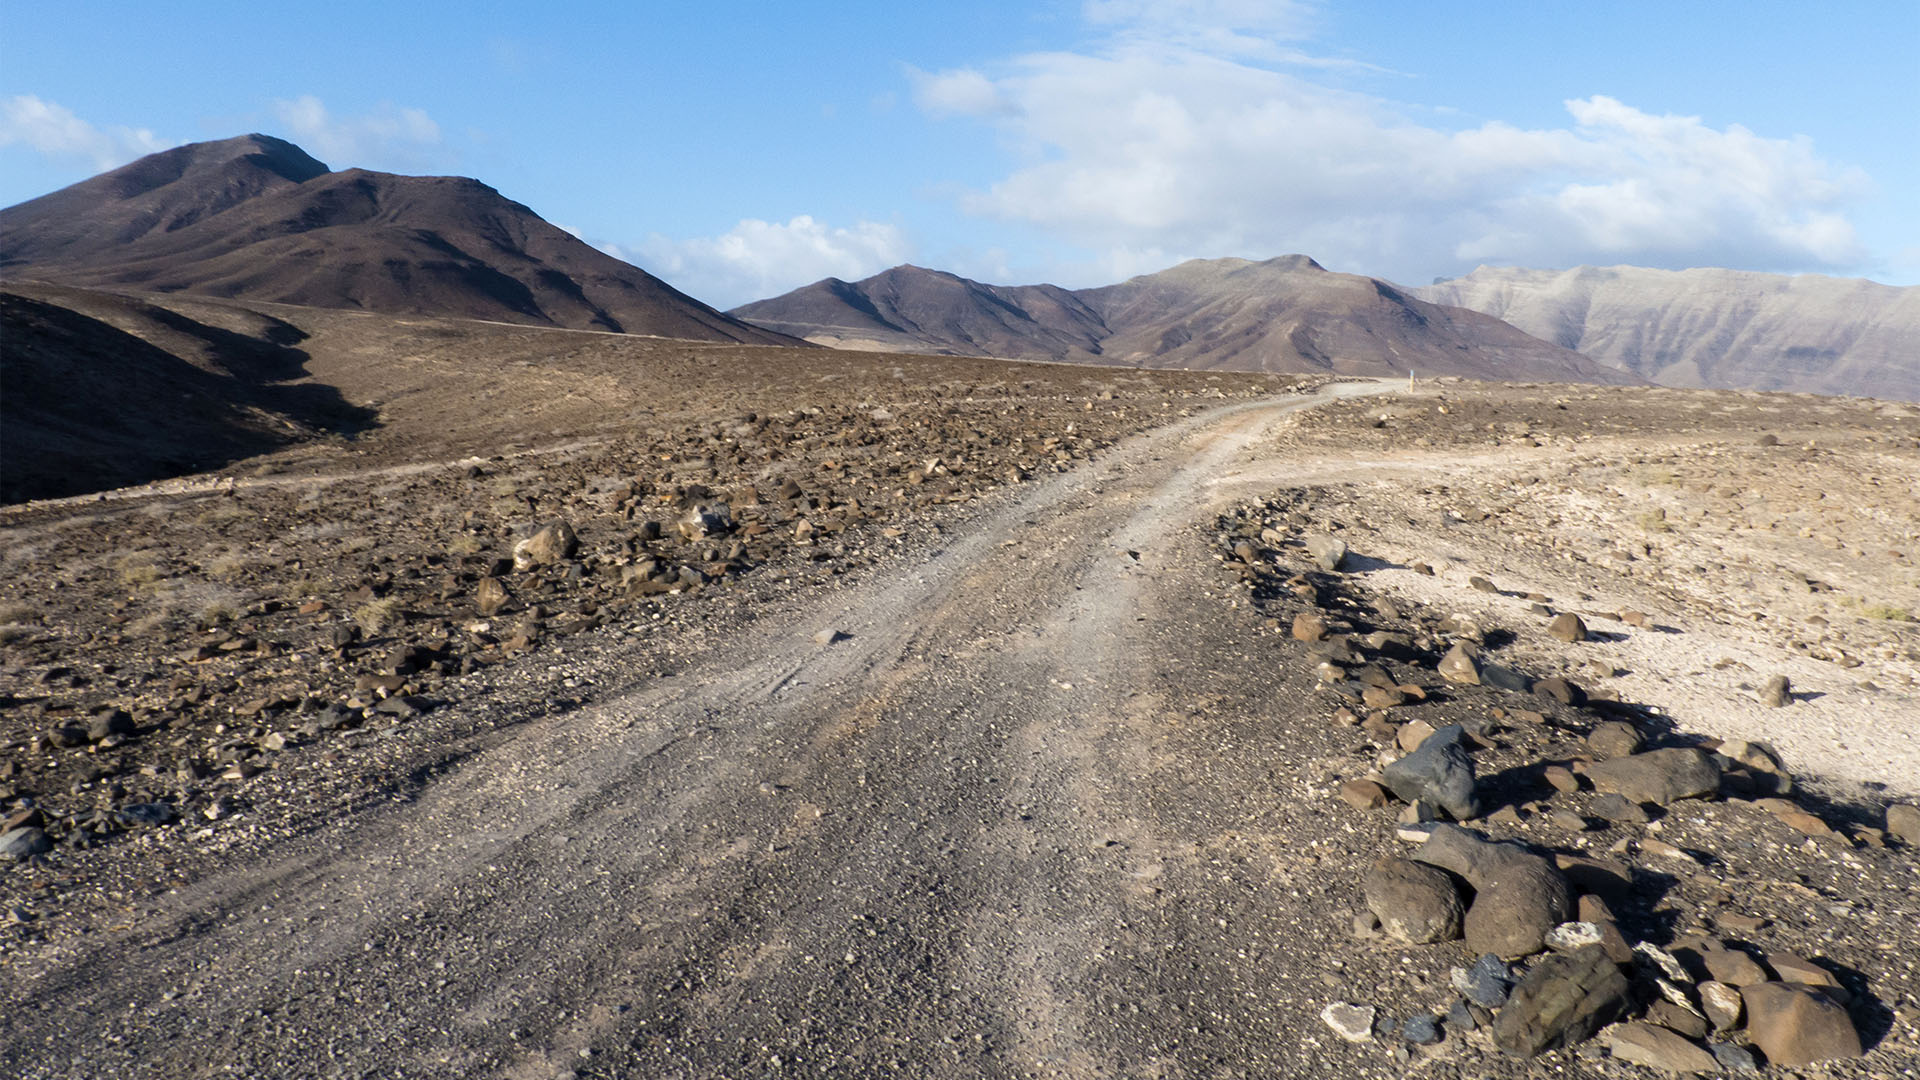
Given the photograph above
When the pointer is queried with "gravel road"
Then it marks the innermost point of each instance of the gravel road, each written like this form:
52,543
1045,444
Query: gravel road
1012,820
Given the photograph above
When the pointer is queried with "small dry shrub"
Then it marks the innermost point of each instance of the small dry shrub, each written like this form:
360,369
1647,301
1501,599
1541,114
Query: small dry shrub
378,616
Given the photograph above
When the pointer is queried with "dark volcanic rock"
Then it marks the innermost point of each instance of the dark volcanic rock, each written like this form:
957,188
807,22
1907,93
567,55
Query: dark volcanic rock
1658,776
1440,771
1415,903
1562,1001
1518,896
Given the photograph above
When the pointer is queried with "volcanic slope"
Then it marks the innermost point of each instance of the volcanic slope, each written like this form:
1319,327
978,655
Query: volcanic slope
1712,327
1284,315
258,218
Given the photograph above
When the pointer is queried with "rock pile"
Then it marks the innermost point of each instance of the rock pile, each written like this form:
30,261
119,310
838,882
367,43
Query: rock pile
1565,946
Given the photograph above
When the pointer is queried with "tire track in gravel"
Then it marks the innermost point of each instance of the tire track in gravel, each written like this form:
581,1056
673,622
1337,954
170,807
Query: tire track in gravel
894,851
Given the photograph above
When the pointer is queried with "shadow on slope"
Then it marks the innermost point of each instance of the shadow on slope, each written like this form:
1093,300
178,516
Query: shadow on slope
86,405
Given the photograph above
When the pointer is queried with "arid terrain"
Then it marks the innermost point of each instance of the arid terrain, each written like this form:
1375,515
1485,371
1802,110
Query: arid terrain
598,705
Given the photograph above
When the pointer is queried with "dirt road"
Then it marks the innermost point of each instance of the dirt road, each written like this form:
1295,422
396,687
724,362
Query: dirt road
1032,812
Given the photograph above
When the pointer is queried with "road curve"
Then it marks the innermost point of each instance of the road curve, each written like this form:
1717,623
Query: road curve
1030,815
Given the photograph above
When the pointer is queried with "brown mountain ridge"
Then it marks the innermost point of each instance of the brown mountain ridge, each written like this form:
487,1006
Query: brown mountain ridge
257,218
1287,314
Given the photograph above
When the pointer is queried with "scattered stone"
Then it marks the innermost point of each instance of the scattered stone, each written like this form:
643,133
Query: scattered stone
1658,776
1412,734
1486,983
1414,833
1733,1058
1353,1023
1777,693
491,596
828,636
1364,795
1309,626
1418,811
1560,690
1562,779
1793,968
1328,552
1501,677
403,705
1562,1001
1382,697
1798,1025
1569,936
107,724
1481,584
1903,823
1721,1003
1732,967
1460,1016
1679,1018
1458,666
1421,1030
1568,627
1619,809
1440,770
1614,738
1656,1047
1415,903
152,813
551,543
1568,820
24,843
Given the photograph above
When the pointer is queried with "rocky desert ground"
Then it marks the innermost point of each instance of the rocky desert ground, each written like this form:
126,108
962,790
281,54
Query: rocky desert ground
632,707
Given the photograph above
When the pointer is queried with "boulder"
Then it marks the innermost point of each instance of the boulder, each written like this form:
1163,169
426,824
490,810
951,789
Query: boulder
1518,897
1562,1001
1415,903
1441,770
1657,776
1798,1025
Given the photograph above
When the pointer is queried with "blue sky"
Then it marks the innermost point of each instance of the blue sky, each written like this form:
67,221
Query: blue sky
739,150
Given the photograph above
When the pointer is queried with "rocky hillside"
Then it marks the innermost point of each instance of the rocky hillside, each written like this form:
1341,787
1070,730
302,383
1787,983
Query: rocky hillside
257,218
1285,315
1713,328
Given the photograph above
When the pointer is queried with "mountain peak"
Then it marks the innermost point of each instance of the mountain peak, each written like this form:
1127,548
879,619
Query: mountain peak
257,217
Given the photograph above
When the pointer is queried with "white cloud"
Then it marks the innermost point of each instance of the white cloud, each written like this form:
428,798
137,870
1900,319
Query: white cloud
55,131
388,134
1199,144
757,259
